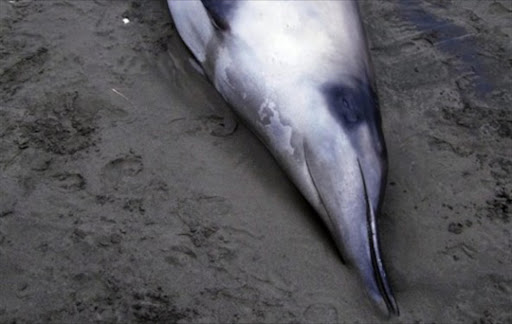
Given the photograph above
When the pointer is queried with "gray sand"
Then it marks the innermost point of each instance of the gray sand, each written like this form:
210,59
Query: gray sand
117,204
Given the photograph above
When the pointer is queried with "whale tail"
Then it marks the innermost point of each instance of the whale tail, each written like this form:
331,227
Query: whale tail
351,194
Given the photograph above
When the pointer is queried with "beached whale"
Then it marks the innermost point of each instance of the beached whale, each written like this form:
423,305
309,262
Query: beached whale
298,74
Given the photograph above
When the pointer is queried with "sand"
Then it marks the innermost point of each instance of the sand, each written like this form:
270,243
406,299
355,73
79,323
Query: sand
119,202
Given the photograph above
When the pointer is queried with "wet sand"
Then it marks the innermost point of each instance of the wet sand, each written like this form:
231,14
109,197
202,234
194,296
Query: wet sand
119,204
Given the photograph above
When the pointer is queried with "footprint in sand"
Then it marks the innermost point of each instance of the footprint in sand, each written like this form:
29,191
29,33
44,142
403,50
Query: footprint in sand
121,175
68,182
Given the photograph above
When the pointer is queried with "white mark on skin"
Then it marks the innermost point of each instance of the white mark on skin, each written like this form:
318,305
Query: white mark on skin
126,20
279,133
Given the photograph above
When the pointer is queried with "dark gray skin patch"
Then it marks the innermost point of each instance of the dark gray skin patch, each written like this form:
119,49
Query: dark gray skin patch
220,11
354,106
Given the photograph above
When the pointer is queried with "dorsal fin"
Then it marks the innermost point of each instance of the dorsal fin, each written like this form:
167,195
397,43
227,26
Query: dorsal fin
220,12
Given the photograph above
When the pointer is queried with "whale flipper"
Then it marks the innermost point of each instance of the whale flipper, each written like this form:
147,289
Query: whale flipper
194,26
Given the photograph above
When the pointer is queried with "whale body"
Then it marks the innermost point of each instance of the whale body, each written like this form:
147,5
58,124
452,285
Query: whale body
299,75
